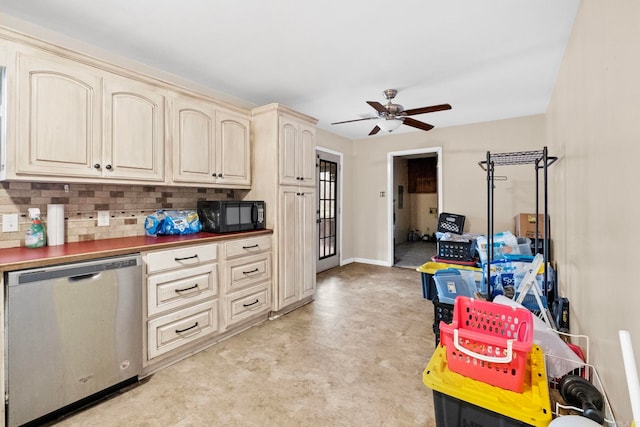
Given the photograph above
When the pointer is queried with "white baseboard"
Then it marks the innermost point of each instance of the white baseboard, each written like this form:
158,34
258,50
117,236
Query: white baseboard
367,261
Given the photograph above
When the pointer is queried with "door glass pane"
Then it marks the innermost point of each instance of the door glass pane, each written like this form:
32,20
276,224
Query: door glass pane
327,194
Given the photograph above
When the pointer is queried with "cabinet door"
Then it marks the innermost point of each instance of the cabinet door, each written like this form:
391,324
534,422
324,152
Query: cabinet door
233,149
297,245
193,124
307,155
288,283
288,152
58,117
308,241
133,130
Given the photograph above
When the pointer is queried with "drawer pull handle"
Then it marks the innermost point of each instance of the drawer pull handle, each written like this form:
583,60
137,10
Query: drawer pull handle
179,291
179,331
255,270
185,258
251,247
252,303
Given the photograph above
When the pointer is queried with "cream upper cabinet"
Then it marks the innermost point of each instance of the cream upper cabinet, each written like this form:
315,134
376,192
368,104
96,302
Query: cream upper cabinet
133,126
234,151
58,117
297,152
210,145
77,121
193,137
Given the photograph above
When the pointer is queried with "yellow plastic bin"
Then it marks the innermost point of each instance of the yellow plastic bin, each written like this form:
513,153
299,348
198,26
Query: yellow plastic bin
459,400
428,269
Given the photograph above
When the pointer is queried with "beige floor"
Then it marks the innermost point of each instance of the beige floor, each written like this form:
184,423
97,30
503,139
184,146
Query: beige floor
353,357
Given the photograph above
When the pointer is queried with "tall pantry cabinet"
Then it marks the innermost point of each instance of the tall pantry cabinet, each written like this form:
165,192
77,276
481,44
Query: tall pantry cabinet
284,176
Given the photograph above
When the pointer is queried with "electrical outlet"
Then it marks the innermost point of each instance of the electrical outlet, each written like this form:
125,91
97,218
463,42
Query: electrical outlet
103,218
9,223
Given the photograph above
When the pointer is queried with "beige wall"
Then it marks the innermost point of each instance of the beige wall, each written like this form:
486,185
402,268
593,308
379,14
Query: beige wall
594,126
344,146
464,182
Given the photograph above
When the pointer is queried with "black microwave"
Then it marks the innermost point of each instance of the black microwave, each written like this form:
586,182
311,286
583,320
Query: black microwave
226,216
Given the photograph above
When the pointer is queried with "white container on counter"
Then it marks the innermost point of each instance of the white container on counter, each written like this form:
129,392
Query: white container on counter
55,225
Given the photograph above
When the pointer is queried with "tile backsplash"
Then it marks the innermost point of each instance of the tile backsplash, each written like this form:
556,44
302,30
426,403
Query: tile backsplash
128,206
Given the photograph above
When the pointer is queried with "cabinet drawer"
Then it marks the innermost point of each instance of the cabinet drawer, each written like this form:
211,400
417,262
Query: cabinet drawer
247,271
245,304
249,246
169,332
181,257
174,289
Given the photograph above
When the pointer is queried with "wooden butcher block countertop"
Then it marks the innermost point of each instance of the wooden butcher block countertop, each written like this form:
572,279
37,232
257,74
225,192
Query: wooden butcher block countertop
22,258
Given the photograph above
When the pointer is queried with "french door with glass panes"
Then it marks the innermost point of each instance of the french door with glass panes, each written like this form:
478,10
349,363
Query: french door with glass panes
328,211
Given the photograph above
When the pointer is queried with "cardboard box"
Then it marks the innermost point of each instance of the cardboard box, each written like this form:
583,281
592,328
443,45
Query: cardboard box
526,225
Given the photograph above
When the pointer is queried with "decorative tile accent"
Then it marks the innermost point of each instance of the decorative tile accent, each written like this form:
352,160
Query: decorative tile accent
128,206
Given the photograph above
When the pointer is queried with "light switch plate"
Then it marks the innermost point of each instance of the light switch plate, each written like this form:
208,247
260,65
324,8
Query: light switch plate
103,218
9,223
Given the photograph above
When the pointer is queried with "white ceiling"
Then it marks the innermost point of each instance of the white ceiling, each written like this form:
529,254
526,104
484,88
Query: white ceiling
489,59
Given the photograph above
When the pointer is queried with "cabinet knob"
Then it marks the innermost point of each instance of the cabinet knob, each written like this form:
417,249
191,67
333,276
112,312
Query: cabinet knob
214,174
108,167
219,175
97,166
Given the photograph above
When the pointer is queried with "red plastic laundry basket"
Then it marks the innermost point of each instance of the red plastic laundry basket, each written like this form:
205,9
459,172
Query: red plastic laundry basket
488,342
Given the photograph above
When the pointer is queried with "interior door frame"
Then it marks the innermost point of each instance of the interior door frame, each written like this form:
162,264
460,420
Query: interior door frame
340,200
390,156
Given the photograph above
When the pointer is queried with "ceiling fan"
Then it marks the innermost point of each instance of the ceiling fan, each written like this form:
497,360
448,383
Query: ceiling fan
391,115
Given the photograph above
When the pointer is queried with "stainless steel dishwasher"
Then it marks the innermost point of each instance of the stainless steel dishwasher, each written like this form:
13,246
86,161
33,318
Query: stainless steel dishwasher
73,333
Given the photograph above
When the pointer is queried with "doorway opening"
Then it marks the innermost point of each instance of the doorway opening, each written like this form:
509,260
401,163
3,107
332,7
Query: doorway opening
329,181
414,202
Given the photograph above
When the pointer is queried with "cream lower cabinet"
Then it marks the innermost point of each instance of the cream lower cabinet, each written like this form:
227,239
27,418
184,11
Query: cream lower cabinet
198,294
182,294
77,122
297,237
248,284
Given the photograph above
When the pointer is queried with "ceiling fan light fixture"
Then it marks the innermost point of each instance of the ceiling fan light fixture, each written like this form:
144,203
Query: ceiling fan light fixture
389,125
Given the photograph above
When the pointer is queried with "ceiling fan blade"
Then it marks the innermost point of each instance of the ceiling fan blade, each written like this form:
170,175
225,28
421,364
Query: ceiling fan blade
374,130
378,107
355,120
417,124
430,109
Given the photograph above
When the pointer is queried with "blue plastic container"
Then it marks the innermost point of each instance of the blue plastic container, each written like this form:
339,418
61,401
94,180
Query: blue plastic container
451,283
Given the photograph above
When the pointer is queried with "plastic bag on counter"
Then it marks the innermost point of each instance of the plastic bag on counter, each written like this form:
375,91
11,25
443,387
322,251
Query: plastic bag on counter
166,223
